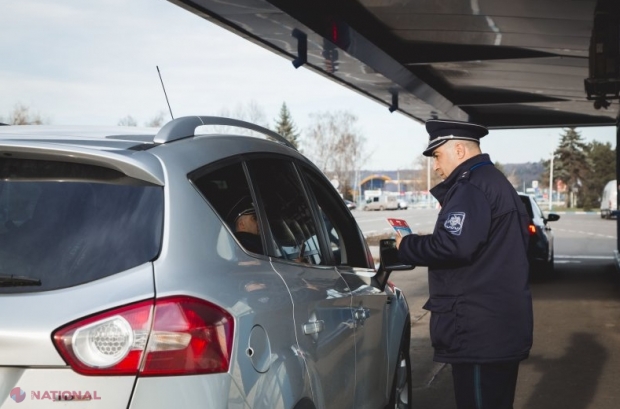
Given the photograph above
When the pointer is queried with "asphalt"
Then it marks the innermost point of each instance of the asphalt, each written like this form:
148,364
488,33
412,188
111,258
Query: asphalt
575,360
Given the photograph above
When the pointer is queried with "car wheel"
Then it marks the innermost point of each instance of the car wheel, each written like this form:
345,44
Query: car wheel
400,397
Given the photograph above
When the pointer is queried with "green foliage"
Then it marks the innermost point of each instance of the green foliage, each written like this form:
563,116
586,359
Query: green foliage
603,169
572,166
286,127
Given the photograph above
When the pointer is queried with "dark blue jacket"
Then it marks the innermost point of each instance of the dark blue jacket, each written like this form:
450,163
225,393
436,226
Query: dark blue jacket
480,302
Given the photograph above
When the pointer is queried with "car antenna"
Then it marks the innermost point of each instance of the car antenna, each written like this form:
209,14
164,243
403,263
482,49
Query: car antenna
164,88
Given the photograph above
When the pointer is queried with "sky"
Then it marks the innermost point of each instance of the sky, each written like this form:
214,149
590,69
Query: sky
77,62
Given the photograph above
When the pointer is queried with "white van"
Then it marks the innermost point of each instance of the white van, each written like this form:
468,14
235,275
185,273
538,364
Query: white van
381,203
609,200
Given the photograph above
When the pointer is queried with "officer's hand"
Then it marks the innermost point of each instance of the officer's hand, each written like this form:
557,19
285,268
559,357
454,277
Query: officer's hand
398,239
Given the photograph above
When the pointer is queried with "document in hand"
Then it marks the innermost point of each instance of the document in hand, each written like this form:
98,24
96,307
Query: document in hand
400,226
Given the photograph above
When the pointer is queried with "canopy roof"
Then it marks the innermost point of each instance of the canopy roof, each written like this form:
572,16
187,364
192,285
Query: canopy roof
500,63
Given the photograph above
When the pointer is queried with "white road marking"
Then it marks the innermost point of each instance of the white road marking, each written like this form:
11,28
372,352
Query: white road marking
583,257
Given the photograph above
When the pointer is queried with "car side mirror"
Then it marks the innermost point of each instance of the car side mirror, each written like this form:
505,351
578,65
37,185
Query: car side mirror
552,217
389,261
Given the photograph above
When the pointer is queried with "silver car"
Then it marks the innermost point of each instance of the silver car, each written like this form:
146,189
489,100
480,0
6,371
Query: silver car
125,281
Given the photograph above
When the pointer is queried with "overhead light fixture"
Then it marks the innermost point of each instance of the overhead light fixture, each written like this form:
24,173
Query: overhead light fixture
603,83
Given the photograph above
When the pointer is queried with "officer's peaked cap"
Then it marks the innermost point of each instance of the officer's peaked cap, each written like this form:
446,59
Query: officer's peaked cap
441,131
242,207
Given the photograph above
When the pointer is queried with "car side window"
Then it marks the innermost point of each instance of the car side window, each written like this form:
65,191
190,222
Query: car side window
288,212
226,188
345,239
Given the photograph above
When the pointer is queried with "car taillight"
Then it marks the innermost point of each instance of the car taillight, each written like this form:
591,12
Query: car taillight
169,336
532,229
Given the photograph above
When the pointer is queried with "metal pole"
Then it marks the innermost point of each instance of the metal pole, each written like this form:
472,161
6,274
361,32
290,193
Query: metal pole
551,183
617,180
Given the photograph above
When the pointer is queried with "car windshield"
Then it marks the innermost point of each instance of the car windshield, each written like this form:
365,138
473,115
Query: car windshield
66,224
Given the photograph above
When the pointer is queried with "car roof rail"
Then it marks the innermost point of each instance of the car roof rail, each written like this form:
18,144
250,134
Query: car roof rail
185,127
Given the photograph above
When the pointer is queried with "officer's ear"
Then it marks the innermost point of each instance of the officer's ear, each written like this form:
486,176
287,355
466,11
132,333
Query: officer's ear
460,149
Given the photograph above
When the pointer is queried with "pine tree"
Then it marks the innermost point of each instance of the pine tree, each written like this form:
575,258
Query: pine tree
286,127
572,164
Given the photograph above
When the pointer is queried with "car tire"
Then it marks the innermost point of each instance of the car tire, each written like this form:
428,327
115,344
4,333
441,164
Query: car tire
400,397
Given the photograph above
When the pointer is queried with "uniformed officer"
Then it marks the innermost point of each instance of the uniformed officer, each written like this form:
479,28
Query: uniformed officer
481,307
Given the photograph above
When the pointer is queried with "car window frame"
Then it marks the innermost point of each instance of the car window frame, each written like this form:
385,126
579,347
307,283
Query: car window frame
344,214
326,254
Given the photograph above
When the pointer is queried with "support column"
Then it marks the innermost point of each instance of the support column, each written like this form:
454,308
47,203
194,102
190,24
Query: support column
617,183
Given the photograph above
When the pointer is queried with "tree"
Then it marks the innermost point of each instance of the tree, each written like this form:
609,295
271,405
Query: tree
21,115
127,121
286,127
335,145
421,167
603,169
251,112
156,121
571,164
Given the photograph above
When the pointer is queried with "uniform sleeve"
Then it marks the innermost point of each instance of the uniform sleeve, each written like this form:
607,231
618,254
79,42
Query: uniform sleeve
462,228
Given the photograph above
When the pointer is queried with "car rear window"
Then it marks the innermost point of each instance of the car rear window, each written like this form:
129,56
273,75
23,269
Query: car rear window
64,224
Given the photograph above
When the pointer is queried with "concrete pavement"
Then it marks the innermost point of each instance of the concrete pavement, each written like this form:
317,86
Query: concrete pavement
575,360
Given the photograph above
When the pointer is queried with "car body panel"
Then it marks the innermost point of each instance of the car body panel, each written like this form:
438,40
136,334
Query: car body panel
54,388
321,295
138,164
212,391
25,333
370,311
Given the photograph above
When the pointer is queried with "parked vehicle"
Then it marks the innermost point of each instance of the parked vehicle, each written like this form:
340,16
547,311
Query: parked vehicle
381,203
351,205
124,284
609,200
402,204
540,251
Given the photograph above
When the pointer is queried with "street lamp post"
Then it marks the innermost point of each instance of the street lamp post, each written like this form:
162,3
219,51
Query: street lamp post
551,183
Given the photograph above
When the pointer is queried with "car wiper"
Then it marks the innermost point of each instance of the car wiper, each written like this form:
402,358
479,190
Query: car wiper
17,281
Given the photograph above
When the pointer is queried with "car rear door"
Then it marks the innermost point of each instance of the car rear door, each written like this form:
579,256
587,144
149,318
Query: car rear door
321,298
370,306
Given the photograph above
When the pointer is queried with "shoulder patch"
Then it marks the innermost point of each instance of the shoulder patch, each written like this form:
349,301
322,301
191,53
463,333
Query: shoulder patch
454,223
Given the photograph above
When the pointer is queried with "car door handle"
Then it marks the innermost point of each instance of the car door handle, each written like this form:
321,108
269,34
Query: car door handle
314,327
361,314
